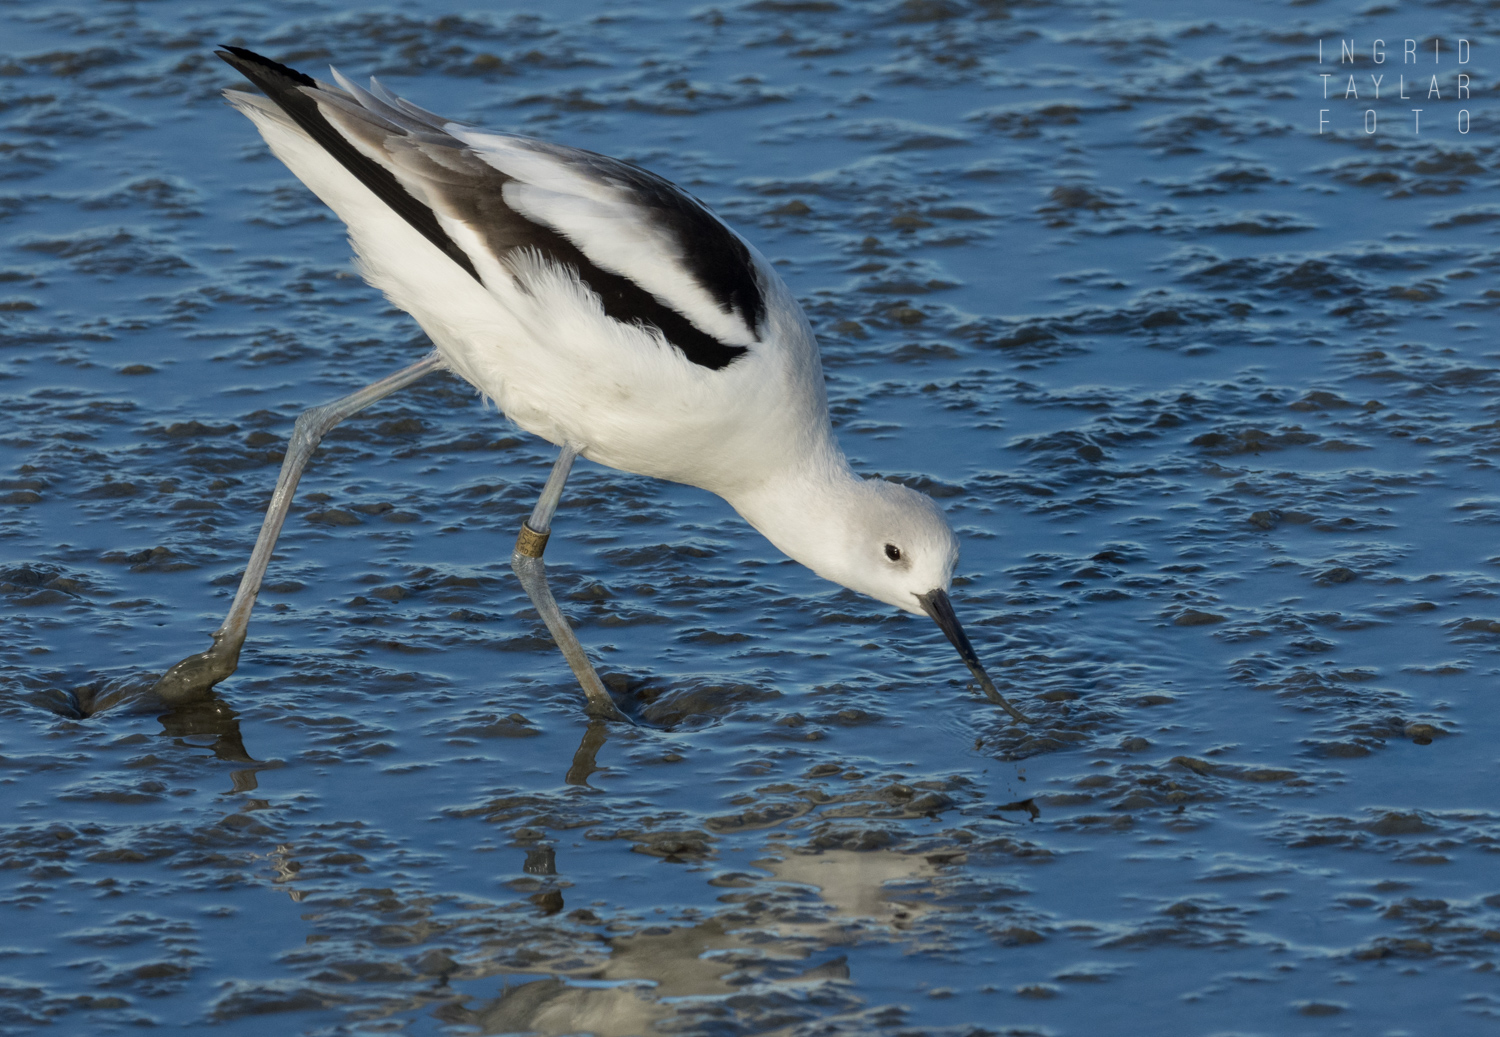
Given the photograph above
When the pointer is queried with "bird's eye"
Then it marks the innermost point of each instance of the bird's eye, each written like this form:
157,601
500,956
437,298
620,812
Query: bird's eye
893,552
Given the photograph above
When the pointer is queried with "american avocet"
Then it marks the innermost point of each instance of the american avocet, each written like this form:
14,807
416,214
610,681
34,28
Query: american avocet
604,310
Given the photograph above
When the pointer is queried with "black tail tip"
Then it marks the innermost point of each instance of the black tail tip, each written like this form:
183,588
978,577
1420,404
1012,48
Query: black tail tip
256,67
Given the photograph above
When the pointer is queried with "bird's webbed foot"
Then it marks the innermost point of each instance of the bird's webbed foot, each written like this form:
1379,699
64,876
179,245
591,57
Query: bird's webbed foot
192,678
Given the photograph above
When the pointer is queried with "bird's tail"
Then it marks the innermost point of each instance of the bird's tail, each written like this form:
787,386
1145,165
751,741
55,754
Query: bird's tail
362,118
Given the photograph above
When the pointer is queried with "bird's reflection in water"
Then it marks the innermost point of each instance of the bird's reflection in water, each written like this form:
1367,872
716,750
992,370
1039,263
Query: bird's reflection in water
554,1007
752,946
211,717
856,885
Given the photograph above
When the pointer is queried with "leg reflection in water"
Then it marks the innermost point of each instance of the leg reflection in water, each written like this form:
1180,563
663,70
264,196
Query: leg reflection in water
207,716
594,738
212,716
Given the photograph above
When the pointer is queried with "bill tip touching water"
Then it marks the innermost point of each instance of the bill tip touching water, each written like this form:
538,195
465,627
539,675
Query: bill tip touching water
604,310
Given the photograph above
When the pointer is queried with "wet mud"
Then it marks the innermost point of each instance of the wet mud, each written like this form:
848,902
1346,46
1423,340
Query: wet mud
1208,395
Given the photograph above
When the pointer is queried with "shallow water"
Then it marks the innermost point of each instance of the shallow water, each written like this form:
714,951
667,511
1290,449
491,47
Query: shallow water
1207,395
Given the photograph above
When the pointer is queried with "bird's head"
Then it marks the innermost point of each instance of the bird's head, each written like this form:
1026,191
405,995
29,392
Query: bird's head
891,543
894,544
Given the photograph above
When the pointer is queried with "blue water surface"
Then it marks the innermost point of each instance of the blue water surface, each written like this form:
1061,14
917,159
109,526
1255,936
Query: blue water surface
1206,392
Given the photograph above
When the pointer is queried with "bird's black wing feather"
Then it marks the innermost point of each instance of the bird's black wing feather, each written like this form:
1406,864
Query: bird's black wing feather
283,85
471,190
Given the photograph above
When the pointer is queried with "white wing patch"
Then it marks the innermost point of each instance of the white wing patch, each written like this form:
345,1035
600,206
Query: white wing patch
606,224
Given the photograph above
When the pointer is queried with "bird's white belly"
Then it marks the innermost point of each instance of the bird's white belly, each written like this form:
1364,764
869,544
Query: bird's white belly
570,375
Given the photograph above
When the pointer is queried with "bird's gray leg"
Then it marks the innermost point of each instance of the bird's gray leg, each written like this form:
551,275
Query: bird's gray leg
192,677
532,571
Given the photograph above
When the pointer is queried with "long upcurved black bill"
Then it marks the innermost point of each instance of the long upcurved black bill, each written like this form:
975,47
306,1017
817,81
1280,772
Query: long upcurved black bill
936,604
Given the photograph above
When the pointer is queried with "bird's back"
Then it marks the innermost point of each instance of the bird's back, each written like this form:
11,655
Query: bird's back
594,301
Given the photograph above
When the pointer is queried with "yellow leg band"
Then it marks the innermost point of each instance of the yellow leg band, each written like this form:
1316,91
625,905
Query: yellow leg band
530,543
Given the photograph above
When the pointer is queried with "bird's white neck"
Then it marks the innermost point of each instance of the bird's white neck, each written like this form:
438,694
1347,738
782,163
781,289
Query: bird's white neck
803,509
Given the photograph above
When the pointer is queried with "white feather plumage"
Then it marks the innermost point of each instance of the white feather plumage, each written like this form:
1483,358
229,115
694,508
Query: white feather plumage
535,339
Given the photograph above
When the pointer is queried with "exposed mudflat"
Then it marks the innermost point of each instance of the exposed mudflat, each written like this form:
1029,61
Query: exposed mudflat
1210,397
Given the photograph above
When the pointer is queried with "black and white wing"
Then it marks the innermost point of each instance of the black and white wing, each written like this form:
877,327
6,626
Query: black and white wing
654,255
